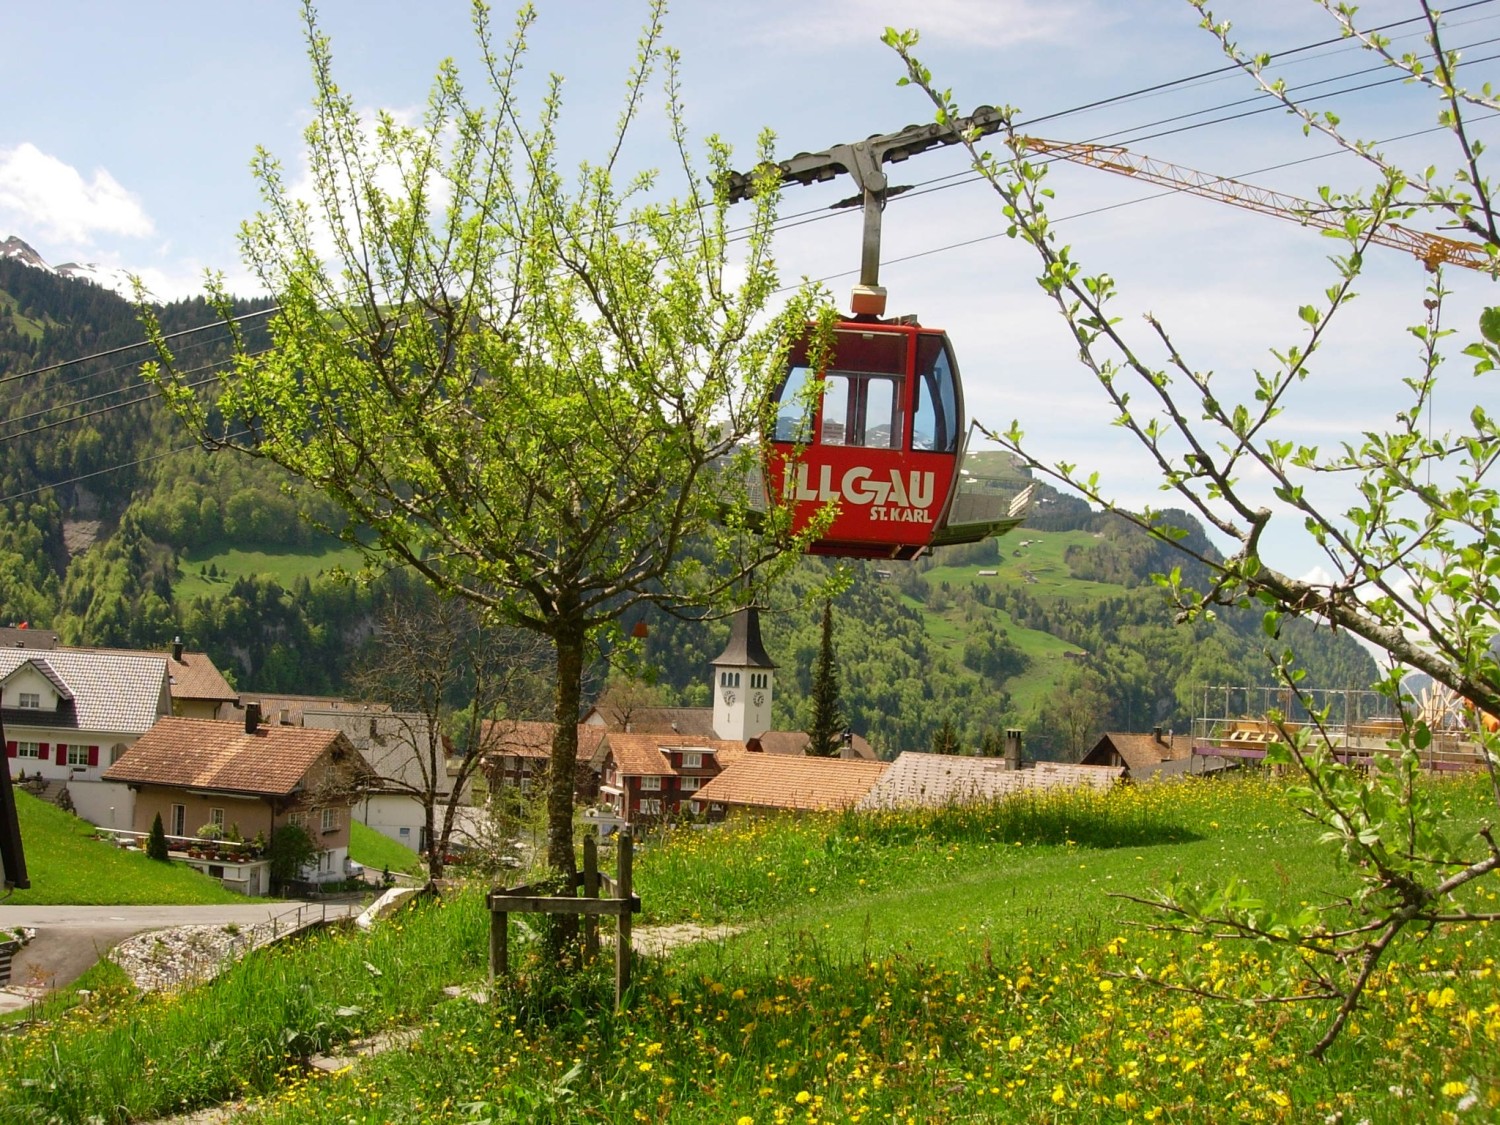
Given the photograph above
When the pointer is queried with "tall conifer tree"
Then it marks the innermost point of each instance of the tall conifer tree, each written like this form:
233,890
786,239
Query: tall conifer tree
827,729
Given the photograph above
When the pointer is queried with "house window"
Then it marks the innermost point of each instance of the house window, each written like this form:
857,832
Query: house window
298,819
525,784
28,750
216,817
651,806
653,783
689,784
179,820
29,701
692,760
78,755
116,752
330,820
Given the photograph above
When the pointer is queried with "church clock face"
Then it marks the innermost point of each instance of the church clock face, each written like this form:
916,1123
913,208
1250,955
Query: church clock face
759,699
729,697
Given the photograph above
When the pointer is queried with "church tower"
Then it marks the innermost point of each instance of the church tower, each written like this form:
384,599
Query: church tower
742,681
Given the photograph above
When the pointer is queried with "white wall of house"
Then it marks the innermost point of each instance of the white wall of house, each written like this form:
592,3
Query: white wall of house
38,749
107,804
395,815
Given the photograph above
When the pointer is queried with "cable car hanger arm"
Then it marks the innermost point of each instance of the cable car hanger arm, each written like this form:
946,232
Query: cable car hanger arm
864,162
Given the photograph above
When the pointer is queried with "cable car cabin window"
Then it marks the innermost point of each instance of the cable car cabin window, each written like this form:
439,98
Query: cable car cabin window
793,419
862,409
936,422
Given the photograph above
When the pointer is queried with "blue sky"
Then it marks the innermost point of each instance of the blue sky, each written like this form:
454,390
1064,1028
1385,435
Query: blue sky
131,126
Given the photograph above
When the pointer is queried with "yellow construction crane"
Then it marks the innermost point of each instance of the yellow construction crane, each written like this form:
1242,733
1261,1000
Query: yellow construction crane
1432,249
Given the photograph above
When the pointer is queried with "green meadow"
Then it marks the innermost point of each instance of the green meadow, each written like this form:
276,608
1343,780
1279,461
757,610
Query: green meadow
950,966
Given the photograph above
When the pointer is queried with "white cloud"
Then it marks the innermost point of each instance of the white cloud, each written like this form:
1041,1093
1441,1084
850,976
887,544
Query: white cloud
43,197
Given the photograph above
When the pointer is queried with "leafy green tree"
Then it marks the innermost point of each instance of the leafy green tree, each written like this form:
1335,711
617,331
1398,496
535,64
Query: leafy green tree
1410,539
290,850
531,390
156,841
826,732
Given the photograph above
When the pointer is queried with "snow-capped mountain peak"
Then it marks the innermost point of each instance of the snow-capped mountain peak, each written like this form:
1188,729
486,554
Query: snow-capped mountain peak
107,277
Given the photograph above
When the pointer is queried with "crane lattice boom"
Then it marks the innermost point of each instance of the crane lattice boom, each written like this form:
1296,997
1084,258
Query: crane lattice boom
1432,249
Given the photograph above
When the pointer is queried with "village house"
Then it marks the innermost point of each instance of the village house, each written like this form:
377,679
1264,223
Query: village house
1150,757
69,714
247,780
198,689
517,753
648,777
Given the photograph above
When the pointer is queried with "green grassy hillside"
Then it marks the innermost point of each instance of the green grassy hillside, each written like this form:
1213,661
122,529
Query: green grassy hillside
228,564
69,866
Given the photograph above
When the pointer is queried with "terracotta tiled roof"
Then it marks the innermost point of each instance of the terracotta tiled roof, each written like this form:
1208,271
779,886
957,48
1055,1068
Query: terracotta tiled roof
110,692
207,754
783,781
1139,752
916,779
524,738
640,755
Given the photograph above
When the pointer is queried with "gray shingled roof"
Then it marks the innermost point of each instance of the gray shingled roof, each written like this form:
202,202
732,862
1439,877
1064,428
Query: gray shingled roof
125,694
917,779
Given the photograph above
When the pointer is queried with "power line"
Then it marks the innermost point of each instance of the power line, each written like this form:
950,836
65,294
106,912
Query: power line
820,214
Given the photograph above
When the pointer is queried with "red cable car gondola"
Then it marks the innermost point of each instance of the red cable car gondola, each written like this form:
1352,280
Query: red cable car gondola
881,437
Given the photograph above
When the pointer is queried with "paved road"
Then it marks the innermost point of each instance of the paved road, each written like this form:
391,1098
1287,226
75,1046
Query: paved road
70,939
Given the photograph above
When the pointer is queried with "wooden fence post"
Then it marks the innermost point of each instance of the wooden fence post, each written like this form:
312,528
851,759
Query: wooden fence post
625,856
499,942
590,890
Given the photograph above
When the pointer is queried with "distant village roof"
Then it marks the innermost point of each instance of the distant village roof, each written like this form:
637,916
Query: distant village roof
782,781
109,692
193,675
641,755
920,779
208,754
1138,752
12,636
695,721
286,710
745,648
797,742
523,738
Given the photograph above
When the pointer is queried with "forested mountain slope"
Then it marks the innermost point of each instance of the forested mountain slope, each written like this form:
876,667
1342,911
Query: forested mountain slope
114,533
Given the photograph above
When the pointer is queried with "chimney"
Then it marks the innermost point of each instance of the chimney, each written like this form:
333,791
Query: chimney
252,717
177,649
1012,749
846,747
1156,734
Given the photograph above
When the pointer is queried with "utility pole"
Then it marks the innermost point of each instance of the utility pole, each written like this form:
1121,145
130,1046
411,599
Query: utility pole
864,162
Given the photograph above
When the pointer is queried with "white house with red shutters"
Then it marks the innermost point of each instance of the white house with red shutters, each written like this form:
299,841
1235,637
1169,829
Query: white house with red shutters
69,715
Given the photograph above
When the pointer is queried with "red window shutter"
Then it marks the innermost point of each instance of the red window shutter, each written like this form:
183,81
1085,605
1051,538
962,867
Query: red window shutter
93,755
10,749
41,751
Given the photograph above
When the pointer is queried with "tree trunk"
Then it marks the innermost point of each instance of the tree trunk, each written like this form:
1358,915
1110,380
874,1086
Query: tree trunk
569,643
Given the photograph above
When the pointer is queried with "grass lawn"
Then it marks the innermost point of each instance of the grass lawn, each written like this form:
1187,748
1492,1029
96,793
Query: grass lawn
68,866
232,563
923,967
379,852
